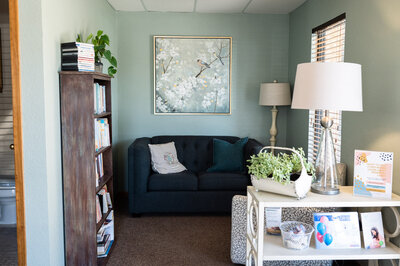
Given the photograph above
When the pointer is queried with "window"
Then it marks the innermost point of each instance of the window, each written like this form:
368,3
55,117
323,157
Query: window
327,45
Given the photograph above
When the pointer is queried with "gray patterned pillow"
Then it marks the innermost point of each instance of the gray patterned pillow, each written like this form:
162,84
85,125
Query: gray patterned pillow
164,159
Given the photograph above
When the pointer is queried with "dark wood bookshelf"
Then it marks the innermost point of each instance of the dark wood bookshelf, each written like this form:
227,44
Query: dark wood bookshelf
77,97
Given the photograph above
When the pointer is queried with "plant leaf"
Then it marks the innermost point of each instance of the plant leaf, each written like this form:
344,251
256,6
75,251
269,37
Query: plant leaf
104,38
111,71
99,33
107,55
79,38
89,37
113,61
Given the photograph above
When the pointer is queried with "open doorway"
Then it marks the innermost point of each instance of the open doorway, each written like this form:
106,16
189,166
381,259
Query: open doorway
12,217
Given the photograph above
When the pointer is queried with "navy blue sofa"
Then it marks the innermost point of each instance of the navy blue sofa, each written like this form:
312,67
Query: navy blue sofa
191,191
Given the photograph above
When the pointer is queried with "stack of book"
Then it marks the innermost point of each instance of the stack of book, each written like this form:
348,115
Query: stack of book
105,236
102,133
99,98
77,56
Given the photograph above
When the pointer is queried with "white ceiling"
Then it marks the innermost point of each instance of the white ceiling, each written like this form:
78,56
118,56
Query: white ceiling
208,6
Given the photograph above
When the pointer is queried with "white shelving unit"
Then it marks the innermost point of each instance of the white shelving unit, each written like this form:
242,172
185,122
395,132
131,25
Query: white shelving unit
262,247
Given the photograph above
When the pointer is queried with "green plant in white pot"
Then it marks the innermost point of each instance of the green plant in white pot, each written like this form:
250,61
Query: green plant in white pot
287,174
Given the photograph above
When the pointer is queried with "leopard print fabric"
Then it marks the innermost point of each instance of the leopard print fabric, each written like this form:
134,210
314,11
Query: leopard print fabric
238,234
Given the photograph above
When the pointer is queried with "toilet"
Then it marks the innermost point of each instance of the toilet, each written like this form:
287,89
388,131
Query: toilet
7,202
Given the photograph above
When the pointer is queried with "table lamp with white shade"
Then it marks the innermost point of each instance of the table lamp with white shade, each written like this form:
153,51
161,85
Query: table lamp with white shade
274,94
327,86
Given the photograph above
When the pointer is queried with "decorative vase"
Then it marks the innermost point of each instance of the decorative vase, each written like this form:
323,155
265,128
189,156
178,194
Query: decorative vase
298,188
98,67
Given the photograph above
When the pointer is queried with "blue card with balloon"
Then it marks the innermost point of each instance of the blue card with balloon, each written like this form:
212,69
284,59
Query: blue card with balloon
337,230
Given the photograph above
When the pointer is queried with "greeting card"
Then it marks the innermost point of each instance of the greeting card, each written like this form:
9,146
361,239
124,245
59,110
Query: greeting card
337,230
373,233
373,174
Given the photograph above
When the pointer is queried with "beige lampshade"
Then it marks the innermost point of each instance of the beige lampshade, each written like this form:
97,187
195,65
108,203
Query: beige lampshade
328,86
274,94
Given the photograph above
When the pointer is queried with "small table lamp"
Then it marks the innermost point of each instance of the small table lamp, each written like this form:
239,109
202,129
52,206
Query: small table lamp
274,94
327,86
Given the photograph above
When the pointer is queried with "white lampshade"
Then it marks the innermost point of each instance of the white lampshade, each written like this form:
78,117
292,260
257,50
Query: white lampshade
272,94
328,86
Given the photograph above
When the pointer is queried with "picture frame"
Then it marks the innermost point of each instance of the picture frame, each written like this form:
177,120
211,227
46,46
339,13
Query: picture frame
373,231
192,75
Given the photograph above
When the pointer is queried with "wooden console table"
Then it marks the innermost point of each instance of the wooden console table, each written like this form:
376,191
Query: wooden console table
262,247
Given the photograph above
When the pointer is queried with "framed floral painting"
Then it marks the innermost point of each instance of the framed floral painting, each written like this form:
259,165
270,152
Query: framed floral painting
192,75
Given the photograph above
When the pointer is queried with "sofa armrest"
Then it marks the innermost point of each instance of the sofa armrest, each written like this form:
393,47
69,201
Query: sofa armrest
139,167
252,147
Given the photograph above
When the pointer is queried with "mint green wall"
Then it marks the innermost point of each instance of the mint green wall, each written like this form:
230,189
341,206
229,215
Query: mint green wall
372,40
260,54
44,24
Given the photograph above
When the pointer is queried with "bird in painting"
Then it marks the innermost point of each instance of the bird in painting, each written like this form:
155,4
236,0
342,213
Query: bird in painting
202,63
219,57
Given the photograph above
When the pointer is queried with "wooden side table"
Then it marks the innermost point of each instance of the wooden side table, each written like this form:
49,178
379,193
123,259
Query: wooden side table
262,247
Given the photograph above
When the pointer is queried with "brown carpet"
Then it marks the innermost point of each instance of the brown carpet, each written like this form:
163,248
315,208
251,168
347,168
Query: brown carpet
171,240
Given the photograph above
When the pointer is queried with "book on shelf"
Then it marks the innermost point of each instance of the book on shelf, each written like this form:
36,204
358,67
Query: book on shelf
103,200
107,229
108,250
96,171
109,225
103,245
99,98
102,133
77,56
100,234
98,210
99,165
108,196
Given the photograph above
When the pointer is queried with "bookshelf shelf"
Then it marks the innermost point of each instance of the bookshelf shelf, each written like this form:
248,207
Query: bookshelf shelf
103,218
102,115
102,150
103,181
81,129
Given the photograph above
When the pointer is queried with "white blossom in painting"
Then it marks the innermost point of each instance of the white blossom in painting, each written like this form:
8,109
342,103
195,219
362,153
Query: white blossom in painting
192,75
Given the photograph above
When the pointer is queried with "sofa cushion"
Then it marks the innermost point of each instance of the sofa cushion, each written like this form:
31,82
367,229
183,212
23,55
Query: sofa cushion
182,181
164,159
223,181
228,157
194,152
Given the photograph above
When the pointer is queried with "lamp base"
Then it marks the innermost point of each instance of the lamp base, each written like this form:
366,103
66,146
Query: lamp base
326,180
324,190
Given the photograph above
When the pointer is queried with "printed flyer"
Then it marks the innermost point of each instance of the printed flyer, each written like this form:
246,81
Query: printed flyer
373,172
337,230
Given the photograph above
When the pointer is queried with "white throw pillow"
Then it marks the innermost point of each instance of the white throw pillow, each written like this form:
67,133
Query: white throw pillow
164,159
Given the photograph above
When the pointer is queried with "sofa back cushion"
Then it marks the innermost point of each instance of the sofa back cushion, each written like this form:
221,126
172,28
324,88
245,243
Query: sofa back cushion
194,152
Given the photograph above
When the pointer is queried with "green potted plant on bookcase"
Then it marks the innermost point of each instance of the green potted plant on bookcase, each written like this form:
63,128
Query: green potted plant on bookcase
101,42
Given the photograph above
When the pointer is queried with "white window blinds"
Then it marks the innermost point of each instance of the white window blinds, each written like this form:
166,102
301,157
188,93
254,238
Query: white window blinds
327,45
